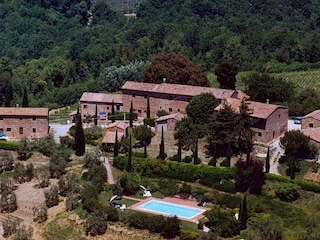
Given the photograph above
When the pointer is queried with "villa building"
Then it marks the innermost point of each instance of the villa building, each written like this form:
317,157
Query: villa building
18,122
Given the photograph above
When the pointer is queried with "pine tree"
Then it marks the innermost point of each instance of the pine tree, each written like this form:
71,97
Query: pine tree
25,101
148,108
116,146
112,112
268,161
79,139
243,215
129,162
162,154
96,116
131,115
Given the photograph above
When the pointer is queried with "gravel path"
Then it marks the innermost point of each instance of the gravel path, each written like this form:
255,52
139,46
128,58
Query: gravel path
106,163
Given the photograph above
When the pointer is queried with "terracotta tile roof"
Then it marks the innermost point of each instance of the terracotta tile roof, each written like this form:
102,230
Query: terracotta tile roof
110,137
118,124
21,111
315,114
259,110
101,97
182,90
312,133
178,116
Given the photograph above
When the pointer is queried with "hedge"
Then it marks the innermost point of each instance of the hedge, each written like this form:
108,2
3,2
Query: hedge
305,185
9,145
205,174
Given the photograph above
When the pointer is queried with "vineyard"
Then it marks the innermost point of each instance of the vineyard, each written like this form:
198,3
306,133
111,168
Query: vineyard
303,80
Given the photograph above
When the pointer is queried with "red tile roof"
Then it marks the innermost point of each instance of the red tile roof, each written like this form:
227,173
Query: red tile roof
259,110
101,97
178,116
182,90
22,111
315,114
118,124
312,133
110,137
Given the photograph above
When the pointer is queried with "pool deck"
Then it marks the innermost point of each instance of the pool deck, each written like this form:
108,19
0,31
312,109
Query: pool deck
178,201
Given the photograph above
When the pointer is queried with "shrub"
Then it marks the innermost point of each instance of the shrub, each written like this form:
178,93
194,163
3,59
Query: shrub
168,187
225,186
8,202
149,122
23,233
40,214
67,142
11,146
187,159
96,223
287,192
10,226
189,235
52,197
6,161
228,200
155,223
93,133
72,201
138,220
171,227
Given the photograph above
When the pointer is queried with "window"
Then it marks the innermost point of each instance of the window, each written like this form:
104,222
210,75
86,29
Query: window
170,109
311,125
108,108
34,130
1,118
139,111
118,108
21,130
145,96
34,118
178,110
1,130
259,134
84,106
8,129
133,95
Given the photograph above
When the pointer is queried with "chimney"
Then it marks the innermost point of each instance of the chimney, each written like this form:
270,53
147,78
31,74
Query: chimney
17,105
267,101
164,80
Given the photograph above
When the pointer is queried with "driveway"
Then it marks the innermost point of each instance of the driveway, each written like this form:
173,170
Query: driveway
59,130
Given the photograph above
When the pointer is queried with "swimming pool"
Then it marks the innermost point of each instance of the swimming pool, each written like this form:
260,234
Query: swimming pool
170,209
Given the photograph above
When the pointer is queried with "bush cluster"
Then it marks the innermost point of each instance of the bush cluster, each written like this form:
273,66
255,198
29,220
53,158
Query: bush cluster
11,146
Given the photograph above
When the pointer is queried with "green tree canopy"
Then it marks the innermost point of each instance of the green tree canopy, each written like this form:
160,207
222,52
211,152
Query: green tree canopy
226,74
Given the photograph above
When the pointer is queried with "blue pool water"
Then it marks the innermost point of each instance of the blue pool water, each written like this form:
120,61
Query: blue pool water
166,208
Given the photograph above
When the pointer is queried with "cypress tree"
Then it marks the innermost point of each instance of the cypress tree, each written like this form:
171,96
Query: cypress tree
116,146
131,115
79,139
112,112
25,101
195,154
96,116
162,153
179,148
148,108
268,161
129,164
243,215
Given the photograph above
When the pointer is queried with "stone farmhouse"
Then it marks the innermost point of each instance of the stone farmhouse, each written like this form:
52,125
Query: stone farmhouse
168,122
89,101
311,120
314,135
172,98
18,122
271,121
109,138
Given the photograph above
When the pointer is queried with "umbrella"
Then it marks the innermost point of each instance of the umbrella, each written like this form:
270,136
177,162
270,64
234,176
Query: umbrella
113,198
143,187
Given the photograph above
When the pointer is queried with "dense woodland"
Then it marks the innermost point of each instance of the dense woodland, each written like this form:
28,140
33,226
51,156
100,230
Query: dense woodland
58,49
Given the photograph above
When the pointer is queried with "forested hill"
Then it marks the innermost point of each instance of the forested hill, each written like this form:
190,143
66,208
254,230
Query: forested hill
57,49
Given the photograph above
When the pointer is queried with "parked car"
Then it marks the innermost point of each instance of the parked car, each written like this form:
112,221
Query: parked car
297,120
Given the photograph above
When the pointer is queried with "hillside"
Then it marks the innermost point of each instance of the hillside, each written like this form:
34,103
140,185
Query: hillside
58,50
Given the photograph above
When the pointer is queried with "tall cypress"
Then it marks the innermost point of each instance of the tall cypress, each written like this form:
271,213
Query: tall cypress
79,139
195,153
116,146
25,101
96,116
162,153
243,214
112,112
268,161
179,148
129,161
148,108
131,115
